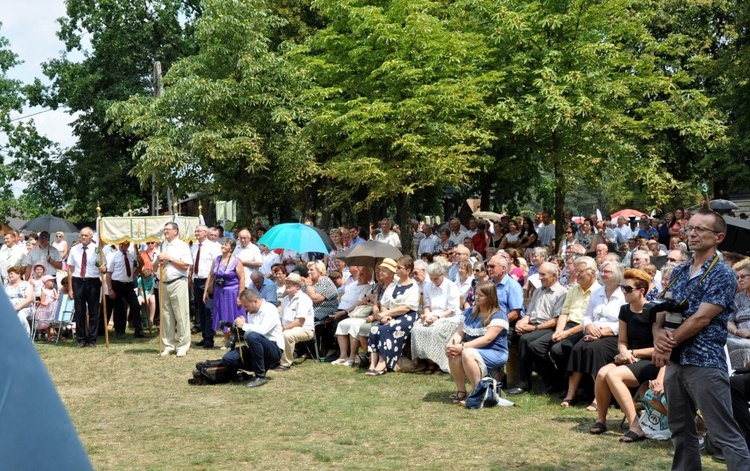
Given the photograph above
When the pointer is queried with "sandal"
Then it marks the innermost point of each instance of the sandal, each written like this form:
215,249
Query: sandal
375,372
592,407
458,398
598,428
567,402
631,437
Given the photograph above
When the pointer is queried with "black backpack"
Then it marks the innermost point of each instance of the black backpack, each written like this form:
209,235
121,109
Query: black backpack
212,372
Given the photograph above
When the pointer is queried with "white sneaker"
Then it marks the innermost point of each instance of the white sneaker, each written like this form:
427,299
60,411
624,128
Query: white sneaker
181,353
339,362
166,352
348,363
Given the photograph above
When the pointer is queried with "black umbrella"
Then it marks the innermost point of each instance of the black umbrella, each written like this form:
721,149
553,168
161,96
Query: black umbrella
723,205
50,224
738,236
370,253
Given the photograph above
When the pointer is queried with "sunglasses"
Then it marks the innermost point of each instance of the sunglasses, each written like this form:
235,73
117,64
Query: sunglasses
628,289
150,243
478,270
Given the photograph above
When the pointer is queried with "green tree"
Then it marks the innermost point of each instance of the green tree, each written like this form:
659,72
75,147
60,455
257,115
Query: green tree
397,98
229,119
587,92
120,40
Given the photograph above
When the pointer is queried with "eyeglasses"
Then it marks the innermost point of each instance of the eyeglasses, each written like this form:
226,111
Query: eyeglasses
399,267
742,277
491,266
568,232
671,259
478,270
628,289
700,230
606,272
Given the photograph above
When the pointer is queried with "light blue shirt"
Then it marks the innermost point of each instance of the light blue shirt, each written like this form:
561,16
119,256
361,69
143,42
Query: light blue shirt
510,295
267,291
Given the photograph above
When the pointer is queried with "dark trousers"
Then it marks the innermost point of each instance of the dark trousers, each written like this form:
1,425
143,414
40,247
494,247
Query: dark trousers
157,311
560,352
259,355
529,346
740,387
87,292
125,294
203,311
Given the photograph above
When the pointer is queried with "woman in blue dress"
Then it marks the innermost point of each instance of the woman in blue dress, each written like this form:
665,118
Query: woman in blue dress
227,276
393,318
480,344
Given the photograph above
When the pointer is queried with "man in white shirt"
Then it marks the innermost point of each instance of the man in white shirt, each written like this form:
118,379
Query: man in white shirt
297,319
203,253
264,342
623,230
121,273
249,254
43,254
11,254
173,264
430,242
456,236
84,287
387,235
270,258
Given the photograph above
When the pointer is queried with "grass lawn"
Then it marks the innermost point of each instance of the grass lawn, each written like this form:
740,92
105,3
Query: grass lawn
135,410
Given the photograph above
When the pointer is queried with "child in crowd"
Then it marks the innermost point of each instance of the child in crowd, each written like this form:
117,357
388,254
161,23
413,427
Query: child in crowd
146,296
47,306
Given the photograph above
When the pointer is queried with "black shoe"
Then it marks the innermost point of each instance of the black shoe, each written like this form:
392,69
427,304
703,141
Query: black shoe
283,368
140,335
81,344
208,346
256,382
120,336
91,345
195,330
201,343
517,391
719,458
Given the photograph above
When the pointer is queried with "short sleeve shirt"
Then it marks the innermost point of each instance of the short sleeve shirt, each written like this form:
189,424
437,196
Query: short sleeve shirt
719,287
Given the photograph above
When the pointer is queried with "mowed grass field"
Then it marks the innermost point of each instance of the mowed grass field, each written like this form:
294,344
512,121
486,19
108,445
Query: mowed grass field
135,411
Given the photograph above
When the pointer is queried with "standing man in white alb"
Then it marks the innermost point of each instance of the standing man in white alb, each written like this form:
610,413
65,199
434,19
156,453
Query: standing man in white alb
173,262
249,254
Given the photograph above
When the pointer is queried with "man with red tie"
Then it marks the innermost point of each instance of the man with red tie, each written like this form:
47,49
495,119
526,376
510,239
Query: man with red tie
121,273
85,287
204,251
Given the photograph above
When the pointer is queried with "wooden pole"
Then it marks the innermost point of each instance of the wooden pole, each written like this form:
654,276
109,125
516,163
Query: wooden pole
162,274
101,275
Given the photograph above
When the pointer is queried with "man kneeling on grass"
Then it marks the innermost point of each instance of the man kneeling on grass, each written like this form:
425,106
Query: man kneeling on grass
264,341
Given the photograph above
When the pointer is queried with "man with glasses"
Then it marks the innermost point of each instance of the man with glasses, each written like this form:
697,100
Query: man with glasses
430,243
676,257
84,287
510,300
173,263
460,253
696,375
553,363
536,327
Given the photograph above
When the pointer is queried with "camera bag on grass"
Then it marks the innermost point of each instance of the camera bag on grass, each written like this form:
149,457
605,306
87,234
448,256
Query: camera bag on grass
487,394
212,372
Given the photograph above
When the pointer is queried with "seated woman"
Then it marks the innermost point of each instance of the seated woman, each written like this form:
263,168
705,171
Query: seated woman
439,320
356,306
600,327
386,276
480,276
515,270
325,299
632,365
278,275
464,279
512,238
394,317
738,340
21,295
480,344
445,245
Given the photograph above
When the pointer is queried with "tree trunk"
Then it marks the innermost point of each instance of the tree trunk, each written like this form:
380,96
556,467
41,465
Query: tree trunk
559,188
403,219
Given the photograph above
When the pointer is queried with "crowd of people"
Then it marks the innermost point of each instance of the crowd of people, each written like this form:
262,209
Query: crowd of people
502,298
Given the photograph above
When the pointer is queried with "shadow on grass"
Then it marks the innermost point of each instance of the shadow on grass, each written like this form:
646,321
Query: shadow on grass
438,396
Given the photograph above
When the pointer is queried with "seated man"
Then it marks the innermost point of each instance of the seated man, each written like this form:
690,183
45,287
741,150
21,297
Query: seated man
264,341
297,319
536,327
265,287
551,363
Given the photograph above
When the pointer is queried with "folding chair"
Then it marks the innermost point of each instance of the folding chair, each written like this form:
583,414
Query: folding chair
63,315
